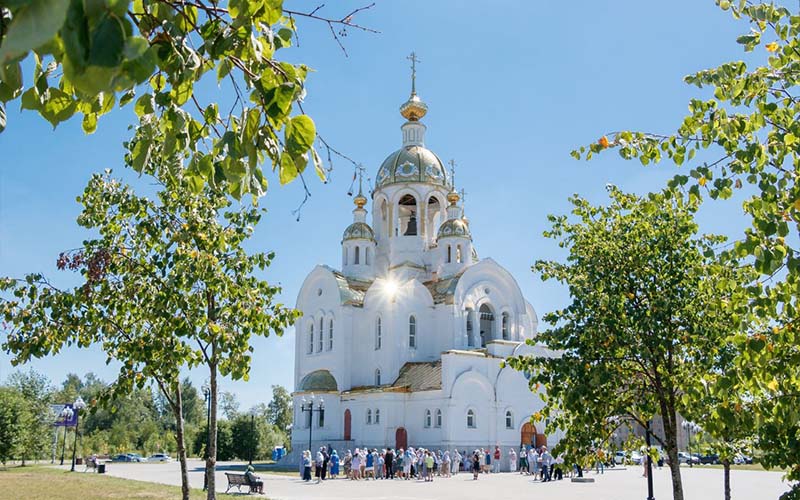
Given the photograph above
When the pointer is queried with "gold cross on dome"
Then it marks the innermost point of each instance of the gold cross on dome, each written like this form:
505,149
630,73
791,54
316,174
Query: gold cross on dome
414,60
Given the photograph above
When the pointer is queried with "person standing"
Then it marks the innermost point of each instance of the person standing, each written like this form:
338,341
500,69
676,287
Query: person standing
429,463
318,465
523,460
326,458
497,456
547,462
307,465
446,465
476,465
559,464
355,464
512,460
533,462
334,463
456,461
389,463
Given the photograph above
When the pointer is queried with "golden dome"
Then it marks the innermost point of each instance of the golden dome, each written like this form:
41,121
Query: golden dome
413,109
360,200
453,197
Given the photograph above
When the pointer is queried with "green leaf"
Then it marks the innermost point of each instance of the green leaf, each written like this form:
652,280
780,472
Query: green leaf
144,105
108,43
58,106
288,169
31,99
89,123
299,134
32,25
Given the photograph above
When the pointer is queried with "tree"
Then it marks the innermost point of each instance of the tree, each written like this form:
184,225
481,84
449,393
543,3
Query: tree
648,302
166,284
228,404
36,391
86,57
748,135
279,410
13,417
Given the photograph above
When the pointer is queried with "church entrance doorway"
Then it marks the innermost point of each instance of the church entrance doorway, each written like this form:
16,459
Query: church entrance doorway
529,436
401,438
487,324
348,423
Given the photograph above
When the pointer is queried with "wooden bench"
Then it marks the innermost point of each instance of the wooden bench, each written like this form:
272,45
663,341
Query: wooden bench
238,480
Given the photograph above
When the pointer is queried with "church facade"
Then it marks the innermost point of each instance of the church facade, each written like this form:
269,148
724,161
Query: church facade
403,344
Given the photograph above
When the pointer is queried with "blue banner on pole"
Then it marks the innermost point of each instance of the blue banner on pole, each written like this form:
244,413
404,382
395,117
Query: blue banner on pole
65,415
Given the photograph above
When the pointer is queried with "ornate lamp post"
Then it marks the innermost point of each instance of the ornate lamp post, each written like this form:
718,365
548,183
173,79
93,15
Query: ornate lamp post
78,405
309,407
207,397
690,428
66,416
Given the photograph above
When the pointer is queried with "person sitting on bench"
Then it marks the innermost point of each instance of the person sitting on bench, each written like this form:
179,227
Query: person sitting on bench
255,481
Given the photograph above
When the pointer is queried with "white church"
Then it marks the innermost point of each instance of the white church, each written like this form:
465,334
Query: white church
404,343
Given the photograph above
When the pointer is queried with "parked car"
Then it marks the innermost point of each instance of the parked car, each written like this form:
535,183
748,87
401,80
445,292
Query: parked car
135,457
685,458
122,457
159,457
619,457
742,459
636,457
711,458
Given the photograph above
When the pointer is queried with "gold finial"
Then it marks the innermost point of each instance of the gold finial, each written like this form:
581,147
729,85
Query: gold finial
413,109
360,200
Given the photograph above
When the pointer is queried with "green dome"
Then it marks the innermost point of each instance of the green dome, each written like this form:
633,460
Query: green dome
320,380
453,228
358,230
412,164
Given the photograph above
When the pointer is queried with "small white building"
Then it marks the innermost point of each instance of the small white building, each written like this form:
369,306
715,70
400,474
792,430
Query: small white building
405,343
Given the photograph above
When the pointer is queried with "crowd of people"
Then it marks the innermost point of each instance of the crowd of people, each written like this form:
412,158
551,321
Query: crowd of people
423,464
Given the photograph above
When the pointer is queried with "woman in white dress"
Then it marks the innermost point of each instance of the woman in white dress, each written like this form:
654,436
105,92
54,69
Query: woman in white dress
512,460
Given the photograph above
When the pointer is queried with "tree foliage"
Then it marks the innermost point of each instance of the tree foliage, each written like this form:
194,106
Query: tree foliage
279,409
749,133
87,57
649,304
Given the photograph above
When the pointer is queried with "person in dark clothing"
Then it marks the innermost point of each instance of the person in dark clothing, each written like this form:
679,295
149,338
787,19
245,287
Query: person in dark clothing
388,460
325,459
476,465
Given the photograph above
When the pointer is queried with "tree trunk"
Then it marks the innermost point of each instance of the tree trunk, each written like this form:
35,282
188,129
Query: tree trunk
211,460
669,422
726,474
178,409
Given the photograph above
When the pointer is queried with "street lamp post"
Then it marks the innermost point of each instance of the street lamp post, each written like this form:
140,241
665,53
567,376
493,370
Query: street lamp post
690,428
252,436
78,405
207,396
66,416
649,463
309,407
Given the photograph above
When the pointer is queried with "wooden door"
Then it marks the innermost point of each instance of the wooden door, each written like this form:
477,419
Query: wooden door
348,423
541,440
400,438
528,435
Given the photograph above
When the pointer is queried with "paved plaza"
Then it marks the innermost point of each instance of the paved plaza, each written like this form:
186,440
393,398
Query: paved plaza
615,484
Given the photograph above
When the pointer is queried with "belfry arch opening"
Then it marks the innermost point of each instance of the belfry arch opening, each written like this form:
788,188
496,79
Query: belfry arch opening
407,216
486,316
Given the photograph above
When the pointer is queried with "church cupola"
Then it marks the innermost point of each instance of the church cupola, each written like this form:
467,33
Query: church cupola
358,242
454,238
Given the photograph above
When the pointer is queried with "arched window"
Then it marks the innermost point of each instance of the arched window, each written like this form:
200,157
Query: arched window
344,256
427,418
449,254
407,214
369,416
438,422
458,254
308,420
330,335
434,216
486,324
509,420
356,258
320,337
470,419
377,416
321,422
504,326
470,328
378,334
377,376
310,338
366,256
384,220
412,332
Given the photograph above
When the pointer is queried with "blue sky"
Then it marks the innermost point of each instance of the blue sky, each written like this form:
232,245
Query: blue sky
512,87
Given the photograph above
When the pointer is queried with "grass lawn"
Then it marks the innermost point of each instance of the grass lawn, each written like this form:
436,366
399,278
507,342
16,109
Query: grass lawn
44,483
756,467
